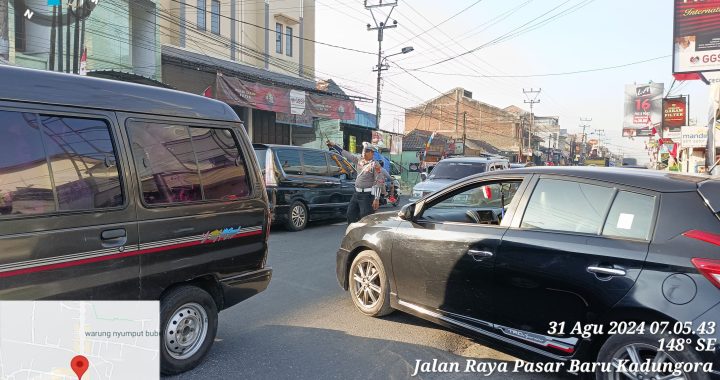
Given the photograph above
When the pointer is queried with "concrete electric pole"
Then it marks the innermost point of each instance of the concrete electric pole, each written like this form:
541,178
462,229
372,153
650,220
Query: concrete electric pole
532,98
380,26
583,146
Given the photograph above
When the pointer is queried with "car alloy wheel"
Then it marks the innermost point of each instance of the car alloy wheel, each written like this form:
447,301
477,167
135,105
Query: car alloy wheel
186,331
368,287
298,216
639,353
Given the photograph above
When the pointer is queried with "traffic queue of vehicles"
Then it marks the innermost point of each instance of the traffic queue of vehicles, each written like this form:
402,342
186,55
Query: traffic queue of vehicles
116,191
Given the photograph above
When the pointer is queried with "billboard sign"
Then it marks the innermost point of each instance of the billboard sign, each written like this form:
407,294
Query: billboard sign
696,36
694,137
643,106
674,113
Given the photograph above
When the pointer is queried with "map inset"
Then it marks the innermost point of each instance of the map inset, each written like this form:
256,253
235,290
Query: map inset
52,340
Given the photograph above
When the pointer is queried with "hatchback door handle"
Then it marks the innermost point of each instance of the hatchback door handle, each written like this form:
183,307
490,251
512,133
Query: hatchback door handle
479,255
113,234
607,271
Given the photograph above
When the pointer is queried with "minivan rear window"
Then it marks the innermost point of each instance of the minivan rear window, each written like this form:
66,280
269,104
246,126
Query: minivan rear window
180,164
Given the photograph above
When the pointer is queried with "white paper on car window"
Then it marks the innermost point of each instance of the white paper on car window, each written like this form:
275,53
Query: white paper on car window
625,221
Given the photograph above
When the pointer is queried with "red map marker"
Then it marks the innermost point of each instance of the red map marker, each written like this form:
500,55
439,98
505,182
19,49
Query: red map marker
79,365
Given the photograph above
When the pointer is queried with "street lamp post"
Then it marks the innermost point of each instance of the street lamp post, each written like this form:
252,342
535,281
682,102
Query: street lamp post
382,66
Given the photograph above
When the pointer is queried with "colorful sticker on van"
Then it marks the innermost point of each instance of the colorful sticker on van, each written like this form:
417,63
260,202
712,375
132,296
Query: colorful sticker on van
220,235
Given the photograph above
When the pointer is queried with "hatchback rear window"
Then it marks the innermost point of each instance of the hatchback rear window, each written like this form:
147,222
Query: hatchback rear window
631,216
456,170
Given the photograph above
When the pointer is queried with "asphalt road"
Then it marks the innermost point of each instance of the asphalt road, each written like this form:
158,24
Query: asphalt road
304,326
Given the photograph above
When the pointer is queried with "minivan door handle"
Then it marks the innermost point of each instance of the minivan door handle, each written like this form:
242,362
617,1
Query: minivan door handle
113,238
113,234
479,255
607,271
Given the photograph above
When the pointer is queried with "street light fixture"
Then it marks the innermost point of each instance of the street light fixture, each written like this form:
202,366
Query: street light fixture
380,68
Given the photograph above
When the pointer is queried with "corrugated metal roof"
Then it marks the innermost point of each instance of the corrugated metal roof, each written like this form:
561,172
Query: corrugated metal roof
246,71
362,119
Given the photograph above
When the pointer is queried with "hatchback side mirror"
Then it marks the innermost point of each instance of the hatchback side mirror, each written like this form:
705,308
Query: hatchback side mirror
407,212
423,176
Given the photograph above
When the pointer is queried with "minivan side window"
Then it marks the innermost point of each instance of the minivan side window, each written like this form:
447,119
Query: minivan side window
25,186
315,163
165,162
630,216
179,164
83,163
78,152
289,160
567,206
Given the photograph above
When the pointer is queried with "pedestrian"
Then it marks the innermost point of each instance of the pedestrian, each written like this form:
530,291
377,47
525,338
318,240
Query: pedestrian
368,184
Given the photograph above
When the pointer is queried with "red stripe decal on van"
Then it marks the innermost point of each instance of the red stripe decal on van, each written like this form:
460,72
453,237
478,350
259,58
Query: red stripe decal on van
72,263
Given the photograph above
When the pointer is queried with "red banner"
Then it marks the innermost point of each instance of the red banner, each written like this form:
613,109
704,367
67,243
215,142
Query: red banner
674,113
235,91
330,107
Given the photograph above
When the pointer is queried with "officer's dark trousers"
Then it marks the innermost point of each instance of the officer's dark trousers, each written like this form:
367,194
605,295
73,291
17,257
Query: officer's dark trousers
360,206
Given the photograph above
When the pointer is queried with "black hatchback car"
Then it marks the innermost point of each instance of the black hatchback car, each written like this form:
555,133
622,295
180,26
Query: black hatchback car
305,184
573,265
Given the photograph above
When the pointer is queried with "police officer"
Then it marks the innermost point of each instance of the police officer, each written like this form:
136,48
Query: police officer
368,185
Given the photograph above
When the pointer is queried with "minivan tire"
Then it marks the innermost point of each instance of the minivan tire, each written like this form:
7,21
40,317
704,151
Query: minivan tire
297,217
191,307
381,307
646,344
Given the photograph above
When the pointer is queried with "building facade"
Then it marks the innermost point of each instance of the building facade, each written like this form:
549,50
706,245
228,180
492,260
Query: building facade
119,35
460,117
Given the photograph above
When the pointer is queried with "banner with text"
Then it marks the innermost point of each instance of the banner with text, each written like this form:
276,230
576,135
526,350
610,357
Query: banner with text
674,113
643,106
238,92
696,34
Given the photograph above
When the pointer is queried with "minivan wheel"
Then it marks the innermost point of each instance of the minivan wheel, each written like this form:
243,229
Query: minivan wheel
188,321
639,349
297,218
369,288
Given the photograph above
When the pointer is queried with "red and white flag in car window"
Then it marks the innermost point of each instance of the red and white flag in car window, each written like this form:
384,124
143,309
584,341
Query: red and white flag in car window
487,192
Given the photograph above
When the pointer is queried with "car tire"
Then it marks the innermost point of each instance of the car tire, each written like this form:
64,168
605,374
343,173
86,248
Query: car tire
618,347
195,310
369,287
297,217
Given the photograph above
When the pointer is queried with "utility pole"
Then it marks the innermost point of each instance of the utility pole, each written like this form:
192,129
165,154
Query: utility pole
380,27
464,130
532,98
583,146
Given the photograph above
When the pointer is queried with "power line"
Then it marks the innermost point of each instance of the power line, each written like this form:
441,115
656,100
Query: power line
549,74
438,24
494,41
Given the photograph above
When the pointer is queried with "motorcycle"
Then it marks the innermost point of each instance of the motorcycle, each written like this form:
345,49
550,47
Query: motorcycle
394,198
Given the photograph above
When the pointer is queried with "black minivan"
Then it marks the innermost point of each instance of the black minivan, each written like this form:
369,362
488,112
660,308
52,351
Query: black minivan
117,191
305,184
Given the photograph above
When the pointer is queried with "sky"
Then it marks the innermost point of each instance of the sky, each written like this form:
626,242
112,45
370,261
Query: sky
589,34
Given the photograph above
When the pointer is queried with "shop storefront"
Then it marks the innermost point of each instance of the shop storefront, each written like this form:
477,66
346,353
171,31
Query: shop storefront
276,108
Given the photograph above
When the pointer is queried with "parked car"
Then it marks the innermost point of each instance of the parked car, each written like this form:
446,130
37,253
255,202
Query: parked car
520,258
305,184
117,191
451,169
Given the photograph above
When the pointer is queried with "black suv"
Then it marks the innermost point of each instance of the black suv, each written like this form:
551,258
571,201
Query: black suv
575,265
305,184
116,191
